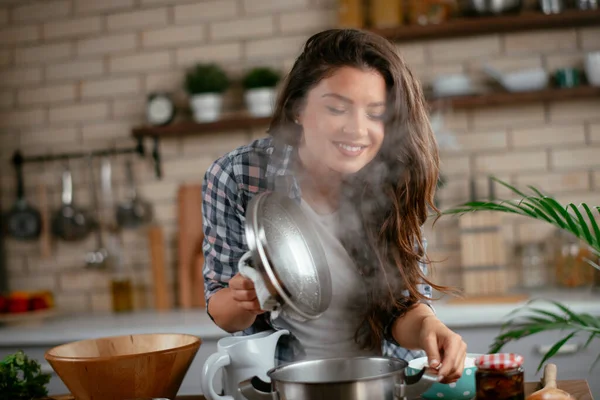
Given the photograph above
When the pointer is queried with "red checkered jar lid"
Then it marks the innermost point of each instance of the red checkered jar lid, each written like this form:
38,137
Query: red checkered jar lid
499,361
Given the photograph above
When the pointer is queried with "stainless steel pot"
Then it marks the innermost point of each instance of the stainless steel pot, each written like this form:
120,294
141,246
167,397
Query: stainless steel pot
494,7
358,378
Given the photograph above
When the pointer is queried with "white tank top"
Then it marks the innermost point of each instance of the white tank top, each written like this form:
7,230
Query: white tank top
332,335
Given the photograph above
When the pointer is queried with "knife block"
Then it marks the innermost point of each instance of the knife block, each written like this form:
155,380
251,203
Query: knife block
483,258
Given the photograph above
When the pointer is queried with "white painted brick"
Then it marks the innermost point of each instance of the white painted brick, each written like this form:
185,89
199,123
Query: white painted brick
32,282
101,302
75,70
54,135
19,34
481,141
41,11
177,35
595,133
575,110
206,11
596,179
454,165
94,6
104,130
242,28
506,64
215,144
165,212
192,168
429,72
109,87
158,2
7,98
3,16
22,118
554,182
47,94
107,44
274,47
165,81
74,27
540,41
6,57
548,136
129,107
79,112
72,302
43,54
496,117
464,49
213,52
590,198
530,231
590,38
511,162
159,190
84,280
140,62
412,53
137,19
269,6
308,21
575,158
564,60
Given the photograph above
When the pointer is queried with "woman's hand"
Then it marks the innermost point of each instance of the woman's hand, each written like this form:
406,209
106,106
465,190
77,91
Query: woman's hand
445,349
243,292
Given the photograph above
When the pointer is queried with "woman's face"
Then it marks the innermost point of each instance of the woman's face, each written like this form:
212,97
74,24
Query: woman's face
342,121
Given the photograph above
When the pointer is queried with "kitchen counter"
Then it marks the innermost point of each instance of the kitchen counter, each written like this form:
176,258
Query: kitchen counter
66,328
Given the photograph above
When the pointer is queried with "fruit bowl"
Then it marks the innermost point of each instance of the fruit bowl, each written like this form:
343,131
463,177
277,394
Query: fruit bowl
125,367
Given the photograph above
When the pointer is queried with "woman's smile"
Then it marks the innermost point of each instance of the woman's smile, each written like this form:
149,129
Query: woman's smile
350,149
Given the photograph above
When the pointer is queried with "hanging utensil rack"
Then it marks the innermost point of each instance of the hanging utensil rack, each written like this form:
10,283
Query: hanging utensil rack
19,159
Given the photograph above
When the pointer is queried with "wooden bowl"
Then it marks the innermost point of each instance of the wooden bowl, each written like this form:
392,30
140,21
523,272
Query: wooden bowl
125,367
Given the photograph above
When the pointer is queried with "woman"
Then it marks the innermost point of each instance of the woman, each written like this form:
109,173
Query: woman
351,142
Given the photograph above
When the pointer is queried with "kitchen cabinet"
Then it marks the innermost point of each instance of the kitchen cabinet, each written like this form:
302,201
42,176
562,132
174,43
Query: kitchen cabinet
573,362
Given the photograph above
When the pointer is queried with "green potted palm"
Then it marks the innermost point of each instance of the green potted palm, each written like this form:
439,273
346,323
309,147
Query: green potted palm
205,84
575,220
259,90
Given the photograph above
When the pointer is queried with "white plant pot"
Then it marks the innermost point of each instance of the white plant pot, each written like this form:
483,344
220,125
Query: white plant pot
260,102
206,107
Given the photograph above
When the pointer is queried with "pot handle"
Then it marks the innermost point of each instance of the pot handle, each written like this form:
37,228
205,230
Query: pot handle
416,385
215,362
247,389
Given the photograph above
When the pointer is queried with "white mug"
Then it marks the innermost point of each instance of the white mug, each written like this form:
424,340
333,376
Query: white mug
241,358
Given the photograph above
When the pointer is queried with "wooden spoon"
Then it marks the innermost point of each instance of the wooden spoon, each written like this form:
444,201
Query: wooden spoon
549,390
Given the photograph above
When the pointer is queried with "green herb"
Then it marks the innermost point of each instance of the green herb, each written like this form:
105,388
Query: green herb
21,378
576,220
206,78
261,77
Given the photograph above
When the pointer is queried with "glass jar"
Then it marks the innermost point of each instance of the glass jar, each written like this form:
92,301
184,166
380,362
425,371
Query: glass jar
499,377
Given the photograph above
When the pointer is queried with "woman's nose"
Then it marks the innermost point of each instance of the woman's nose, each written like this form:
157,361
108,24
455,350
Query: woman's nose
356,125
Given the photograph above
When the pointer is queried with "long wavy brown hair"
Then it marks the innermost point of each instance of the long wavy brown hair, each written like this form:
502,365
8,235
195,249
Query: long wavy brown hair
389,200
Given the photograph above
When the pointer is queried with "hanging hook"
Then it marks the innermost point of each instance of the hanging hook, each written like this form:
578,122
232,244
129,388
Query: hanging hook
156,157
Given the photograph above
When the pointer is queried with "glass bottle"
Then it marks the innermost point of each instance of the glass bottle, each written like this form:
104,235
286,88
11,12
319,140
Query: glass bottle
121,284
499,377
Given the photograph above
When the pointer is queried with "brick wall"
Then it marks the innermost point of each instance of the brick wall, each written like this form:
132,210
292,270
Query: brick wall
74,74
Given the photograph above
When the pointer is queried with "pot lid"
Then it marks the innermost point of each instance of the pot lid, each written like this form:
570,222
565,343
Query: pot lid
286,248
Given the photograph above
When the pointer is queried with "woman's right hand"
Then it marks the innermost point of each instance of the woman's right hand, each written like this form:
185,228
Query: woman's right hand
244,294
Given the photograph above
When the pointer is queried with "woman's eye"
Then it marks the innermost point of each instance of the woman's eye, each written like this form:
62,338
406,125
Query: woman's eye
377,117
335,111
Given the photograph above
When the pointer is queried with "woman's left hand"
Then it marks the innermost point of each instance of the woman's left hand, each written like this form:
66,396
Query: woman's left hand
444,347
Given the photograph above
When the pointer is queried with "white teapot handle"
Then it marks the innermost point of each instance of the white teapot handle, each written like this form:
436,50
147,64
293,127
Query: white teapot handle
215,362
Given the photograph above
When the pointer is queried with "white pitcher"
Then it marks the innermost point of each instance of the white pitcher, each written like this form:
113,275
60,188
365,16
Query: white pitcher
242,358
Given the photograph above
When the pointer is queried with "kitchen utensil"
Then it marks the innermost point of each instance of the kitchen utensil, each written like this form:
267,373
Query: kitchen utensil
70,223
239,358
189,217
122,367
490,7
157,258
23,222
552,6
452,85
45,234
520,81
359,378
463,389
134,211
286,253
98,257
549,390
592,68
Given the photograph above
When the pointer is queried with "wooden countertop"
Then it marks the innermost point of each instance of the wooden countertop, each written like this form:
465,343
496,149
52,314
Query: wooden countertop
577,388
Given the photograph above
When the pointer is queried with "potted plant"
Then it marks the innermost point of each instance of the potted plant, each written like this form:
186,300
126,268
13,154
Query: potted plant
205,83
528,320
259,90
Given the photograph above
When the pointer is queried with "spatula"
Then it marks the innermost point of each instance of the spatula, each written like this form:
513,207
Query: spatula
549,390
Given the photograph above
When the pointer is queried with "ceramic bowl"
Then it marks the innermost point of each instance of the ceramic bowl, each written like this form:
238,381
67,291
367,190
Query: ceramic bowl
463,389
125,367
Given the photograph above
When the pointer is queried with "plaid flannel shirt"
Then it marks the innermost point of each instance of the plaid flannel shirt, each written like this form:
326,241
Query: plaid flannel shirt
229,184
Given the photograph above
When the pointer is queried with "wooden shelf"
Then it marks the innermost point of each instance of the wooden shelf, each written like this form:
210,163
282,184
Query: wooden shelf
471,26
188,128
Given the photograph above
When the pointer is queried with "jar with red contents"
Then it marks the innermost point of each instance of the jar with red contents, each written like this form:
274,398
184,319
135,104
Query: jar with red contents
500,377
